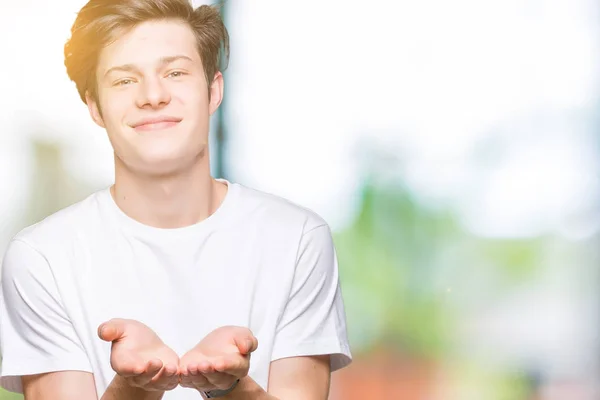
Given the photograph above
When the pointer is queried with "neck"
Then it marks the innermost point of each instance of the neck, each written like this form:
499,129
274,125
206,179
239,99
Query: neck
171,201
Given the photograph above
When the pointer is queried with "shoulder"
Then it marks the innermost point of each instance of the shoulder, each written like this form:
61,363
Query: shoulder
277,210
59,228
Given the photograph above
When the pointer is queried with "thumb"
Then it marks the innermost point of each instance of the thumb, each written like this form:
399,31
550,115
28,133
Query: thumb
246,344
112,330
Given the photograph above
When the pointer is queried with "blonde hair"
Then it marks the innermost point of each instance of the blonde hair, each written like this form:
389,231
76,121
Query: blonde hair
101,22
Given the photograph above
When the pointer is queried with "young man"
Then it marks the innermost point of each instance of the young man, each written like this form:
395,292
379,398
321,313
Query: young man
169,284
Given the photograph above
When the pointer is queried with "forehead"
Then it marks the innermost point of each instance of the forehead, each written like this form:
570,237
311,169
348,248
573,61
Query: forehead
148,42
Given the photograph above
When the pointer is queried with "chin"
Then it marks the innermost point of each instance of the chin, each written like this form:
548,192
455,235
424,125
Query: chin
159,168
167,164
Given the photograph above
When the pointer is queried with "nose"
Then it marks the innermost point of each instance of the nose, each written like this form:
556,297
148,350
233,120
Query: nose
153,94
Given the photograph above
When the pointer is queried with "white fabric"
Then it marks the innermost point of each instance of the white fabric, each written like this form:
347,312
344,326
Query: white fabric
259,261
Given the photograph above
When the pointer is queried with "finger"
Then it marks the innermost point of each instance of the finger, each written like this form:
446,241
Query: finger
153,367
171,369
112,330
198,368
233,364
190,369
214,377
254,345
165,373
192,377
205,367
165,380
141,380
130,368
150,371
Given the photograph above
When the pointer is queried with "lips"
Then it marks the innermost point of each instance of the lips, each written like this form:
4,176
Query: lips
155,123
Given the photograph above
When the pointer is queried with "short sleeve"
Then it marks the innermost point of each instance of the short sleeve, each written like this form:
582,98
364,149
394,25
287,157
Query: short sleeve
314,321
36,334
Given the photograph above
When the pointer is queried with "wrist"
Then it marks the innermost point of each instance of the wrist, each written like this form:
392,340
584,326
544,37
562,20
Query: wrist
220,393
246,389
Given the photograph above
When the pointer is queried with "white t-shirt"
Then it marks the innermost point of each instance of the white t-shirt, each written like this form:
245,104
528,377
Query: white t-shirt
259,261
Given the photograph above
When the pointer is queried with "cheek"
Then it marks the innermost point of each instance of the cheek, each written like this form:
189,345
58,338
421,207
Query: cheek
192,96
113,121
115,127
114,110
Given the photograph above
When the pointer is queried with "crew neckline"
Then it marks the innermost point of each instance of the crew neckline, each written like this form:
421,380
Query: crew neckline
213,221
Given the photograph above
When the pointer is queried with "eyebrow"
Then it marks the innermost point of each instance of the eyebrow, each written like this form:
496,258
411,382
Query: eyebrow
130,67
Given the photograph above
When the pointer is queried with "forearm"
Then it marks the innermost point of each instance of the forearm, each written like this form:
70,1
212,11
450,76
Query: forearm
248,389
119,389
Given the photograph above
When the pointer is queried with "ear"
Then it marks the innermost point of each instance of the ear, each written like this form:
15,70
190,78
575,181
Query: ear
216,93
94,110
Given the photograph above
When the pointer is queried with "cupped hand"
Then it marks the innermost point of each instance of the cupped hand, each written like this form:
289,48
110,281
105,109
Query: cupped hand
219,360
140,356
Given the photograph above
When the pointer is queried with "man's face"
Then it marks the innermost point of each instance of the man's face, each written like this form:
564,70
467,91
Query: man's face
154,99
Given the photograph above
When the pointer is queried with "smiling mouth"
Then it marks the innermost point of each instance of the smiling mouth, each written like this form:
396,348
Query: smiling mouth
156,126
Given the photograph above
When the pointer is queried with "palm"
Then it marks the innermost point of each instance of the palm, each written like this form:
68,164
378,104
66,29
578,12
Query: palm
138,345
221,358
217,343
139,355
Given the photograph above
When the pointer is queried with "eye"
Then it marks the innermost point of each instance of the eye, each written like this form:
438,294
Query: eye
176,74
123,82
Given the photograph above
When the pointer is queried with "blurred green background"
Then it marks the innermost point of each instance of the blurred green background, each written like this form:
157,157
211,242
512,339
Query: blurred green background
452,146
